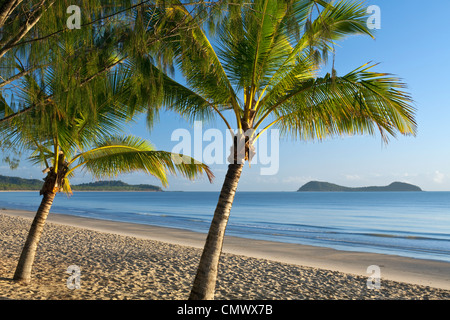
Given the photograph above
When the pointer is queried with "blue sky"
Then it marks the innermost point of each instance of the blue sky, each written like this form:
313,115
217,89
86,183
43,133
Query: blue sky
413,43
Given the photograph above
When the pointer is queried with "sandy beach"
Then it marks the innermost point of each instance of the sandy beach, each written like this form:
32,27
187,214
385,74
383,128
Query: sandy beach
128,261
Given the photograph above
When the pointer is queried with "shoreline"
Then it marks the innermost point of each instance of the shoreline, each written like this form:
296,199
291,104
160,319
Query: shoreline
435,274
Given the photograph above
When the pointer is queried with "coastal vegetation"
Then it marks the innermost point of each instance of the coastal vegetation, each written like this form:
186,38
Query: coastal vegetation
114,186
16,183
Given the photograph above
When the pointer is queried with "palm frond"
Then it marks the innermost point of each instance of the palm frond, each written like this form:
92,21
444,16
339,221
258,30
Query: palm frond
335,22
117,155
200,65
357,103
171,94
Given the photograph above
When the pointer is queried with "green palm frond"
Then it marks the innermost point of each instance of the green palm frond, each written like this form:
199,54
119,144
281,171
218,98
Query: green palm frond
171,94
41,154
288,78
198,61
117,155
186,102
5,108
340,20
335,22
358,103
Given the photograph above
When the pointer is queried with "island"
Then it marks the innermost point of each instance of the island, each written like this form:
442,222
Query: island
317,186
114,186
21,184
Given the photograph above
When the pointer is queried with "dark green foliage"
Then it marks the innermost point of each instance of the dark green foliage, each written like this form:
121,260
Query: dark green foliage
114,186
16,183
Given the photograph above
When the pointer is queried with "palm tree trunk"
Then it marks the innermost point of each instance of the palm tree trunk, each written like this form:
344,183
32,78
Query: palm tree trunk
54,182
23,270
205,280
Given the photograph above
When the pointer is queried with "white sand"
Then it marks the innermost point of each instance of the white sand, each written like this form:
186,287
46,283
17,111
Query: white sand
131,261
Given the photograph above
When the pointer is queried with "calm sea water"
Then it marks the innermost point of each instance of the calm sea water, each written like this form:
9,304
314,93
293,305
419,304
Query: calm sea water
408,224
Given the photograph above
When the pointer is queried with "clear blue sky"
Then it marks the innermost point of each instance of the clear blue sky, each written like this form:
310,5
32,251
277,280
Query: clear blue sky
414,44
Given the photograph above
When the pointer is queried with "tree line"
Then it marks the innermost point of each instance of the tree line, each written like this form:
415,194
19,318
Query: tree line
16,183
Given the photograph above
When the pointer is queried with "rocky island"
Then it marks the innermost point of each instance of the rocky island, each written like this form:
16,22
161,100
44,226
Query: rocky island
317,186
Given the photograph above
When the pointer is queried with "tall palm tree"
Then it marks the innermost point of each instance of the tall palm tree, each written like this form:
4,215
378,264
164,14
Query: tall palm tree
262,64
64,139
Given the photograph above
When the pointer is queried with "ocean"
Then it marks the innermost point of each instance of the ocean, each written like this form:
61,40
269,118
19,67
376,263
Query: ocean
410,224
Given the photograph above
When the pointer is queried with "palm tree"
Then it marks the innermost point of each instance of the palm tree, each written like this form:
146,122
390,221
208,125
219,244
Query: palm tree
64,139
261,64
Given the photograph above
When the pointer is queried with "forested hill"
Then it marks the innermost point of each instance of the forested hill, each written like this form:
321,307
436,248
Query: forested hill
16,183
114,186
317,186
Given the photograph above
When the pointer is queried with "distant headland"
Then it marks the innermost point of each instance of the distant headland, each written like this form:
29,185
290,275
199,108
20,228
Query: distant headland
16,183
317,186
